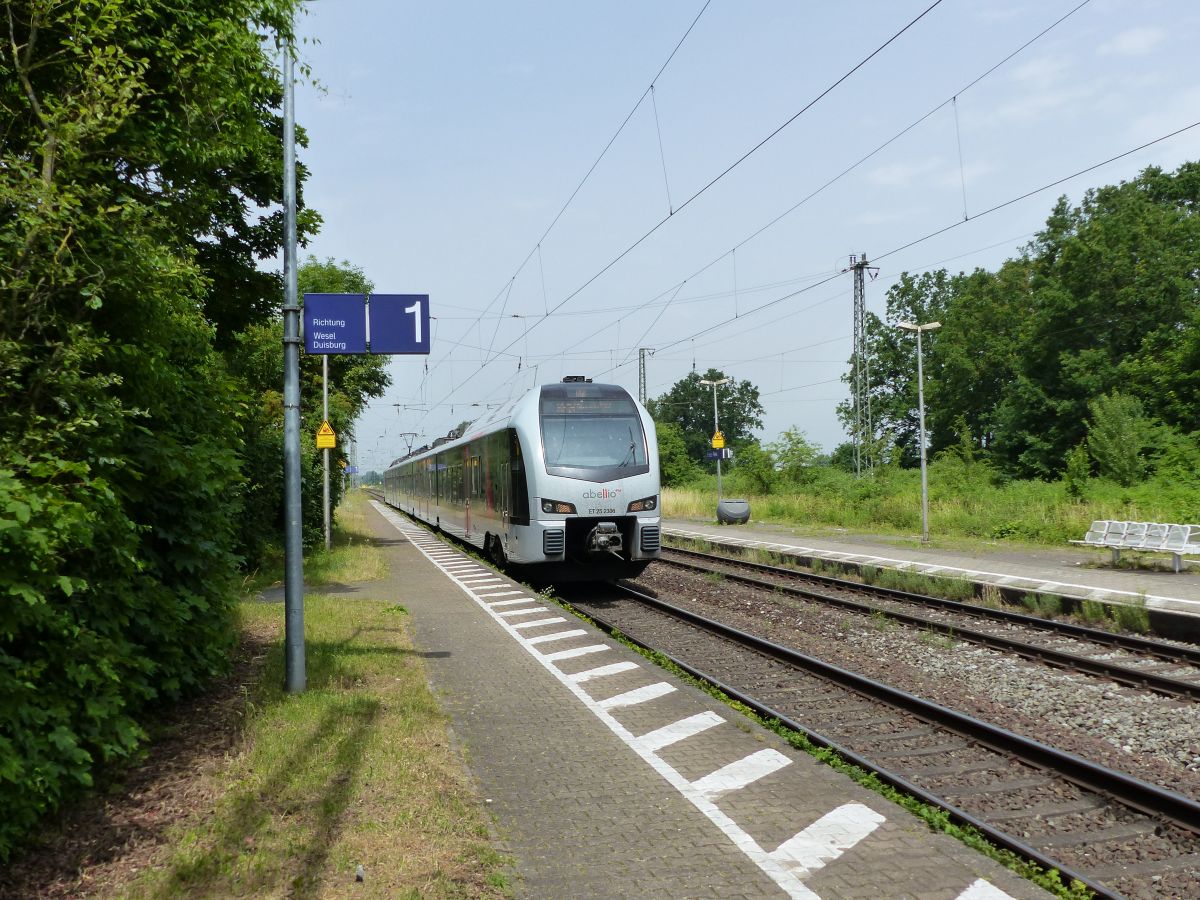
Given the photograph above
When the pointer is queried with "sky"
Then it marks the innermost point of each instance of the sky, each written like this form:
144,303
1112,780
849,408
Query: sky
512,161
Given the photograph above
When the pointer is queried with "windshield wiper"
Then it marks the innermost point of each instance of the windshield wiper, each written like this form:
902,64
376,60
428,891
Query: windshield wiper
631,453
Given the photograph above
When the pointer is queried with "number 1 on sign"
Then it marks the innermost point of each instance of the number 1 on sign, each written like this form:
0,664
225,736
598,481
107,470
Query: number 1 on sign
415,309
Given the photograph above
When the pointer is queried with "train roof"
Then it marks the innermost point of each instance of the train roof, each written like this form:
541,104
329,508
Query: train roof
505,412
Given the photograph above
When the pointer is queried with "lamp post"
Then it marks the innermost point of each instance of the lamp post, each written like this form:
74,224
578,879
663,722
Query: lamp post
918,329
716,426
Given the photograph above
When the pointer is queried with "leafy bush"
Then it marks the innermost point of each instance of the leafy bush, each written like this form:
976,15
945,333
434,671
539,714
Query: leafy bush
129,254
1119,435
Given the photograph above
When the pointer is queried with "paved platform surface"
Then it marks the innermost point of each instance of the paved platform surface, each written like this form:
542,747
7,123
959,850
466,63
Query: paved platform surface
1070,571
608,777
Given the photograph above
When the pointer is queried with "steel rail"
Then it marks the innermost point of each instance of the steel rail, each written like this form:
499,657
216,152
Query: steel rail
1150,799
1122,641
1000,838
1161,684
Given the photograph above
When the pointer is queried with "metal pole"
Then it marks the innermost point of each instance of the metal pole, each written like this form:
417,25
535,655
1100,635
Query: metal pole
717,428
921,416
293,591
325,418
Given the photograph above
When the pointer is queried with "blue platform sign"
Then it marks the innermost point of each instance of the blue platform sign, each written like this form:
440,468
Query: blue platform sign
399,323
335,324
723,453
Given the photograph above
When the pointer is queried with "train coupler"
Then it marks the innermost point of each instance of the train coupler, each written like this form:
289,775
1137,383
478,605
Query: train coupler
604,538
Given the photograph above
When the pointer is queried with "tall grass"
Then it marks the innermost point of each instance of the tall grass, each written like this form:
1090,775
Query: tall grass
965,501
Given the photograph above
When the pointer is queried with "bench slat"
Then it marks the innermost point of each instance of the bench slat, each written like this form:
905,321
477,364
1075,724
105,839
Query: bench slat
1160,537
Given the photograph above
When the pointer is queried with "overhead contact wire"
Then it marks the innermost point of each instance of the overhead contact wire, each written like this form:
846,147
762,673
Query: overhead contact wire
876,151
588,174
741,159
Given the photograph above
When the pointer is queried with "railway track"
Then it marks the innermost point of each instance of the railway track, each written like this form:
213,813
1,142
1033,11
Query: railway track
1170,669
1119,835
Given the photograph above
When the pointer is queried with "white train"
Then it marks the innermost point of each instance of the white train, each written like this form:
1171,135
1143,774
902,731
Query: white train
564,480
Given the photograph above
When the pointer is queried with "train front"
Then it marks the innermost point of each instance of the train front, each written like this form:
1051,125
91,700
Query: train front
595,490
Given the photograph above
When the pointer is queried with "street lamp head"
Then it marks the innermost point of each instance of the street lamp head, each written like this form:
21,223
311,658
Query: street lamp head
715,383
909,326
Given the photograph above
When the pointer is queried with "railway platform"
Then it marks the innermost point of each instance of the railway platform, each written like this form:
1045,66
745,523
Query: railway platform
609,777
1080,573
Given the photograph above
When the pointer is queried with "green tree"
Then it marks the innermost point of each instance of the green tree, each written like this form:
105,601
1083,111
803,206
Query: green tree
796,457
689,405
1115,291
893,360
754,467
137,146
676,467
353,380
975,355
1119,437
1077,471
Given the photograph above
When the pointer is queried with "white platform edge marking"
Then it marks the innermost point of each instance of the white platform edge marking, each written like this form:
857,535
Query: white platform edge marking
782,874
547,638
536,622
637,695
668,735
523,612
827,838
572,653
737,775
983,890
1152,601
624,665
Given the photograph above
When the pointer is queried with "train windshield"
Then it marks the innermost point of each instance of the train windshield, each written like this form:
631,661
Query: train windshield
592,432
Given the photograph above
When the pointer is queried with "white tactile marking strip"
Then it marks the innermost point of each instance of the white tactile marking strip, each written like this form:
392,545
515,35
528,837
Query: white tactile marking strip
1151,601
603,671
796,858
524,612
827,838
638,695
982,890
557,636
737,775
536,622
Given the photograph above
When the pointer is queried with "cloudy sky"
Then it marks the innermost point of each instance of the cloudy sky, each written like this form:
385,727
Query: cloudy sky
453,144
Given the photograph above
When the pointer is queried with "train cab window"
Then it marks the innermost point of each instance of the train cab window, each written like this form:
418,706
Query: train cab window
592,432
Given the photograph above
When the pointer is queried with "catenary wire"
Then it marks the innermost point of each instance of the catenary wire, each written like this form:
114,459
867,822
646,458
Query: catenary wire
730,168
842,174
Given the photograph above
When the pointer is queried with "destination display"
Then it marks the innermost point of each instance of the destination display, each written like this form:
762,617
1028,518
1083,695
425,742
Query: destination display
599,406
335,324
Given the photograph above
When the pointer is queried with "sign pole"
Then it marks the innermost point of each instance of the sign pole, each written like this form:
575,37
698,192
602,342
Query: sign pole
293,591
325,418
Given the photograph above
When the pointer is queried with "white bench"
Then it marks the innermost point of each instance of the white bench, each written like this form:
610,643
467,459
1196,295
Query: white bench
1155,537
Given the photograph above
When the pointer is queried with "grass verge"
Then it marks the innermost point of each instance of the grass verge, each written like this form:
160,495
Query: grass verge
356,770
352,557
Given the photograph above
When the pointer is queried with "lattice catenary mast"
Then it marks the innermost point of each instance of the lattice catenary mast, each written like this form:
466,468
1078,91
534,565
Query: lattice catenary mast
863,427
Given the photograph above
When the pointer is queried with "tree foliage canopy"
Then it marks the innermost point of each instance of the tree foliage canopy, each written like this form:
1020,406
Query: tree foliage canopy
689,406
1105,299
140,174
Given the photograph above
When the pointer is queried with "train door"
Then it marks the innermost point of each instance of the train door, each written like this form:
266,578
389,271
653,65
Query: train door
518,509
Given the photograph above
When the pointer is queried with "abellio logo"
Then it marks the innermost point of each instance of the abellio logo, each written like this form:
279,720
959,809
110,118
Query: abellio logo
602,494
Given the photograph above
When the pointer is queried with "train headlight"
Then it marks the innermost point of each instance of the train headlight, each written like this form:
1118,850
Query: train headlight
644,505
558,506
